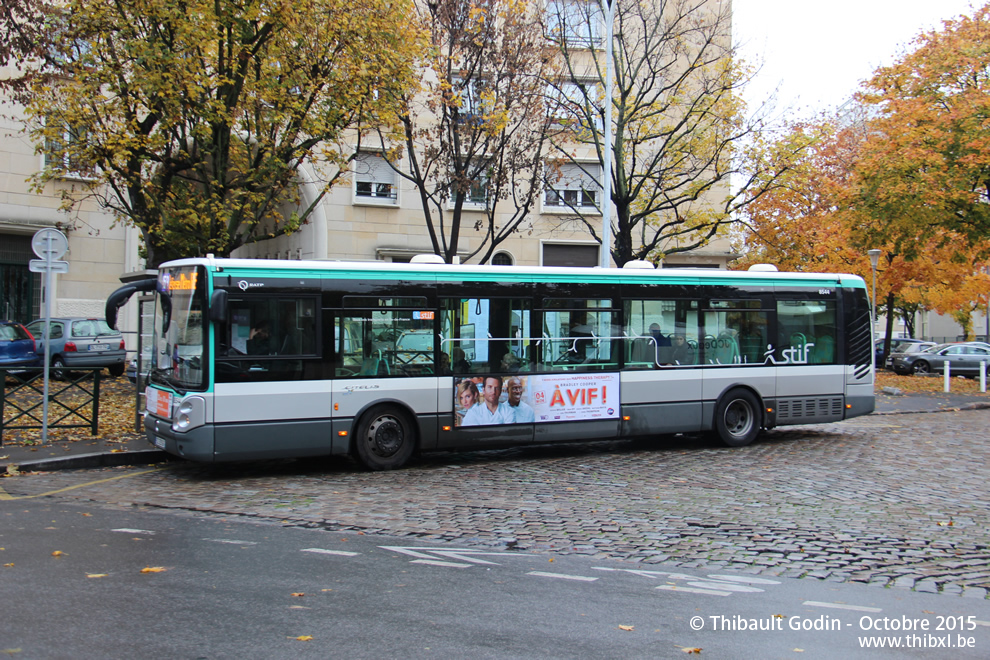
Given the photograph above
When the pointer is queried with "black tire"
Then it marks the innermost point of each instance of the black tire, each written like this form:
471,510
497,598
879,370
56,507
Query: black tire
385,438
738,418
58,370
921,367
116,370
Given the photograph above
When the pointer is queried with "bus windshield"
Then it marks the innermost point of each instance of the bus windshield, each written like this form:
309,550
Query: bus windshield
179,328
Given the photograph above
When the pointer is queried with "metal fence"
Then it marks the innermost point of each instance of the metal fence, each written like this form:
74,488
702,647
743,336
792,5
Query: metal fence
72,403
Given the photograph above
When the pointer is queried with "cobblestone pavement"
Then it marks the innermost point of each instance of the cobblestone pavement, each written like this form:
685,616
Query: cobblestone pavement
899,501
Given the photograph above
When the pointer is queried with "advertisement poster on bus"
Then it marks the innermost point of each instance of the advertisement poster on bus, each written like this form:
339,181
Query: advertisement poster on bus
535,398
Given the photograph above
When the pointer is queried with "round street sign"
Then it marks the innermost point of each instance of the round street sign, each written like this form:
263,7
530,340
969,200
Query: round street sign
49,243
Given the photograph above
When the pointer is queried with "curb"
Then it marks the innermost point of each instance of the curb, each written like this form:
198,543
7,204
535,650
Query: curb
968,406
94,460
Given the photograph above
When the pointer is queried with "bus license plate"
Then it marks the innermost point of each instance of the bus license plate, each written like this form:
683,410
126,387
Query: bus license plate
99,347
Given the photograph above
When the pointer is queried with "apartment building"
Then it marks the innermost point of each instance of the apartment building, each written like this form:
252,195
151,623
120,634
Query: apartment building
371,214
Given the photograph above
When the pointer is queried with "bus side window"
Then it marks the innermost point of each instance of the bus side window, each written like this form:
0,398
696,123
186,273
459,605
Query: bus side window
386,341
740,330
486,335
661,333
807,331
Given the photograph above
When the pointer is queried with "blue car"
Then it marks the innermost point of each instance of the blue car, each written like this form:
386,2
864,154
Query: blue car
17,348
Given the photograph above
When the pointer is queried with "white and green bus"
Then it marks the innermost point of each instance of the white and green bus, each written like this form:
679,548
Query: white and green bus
262,359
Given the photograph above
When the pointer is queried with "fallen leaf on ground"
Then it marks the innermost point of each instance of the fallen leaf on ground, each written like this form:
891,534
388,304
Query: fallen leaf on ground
305,638
96,575
298,594
154,569
692,649
57,553
625,627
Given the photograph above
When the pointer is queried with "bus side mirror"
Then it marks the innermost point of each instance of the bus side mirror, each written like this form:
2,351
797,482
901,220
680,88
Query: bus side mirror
218,306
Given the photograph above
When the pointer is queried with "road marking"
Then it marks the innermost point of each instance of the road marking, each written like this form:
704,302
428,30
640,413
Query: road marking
982,623
691,590
7,497
340,553
437,562
720,585
231,541
842,606
128,530
459,555
563,576
653,575
726,586
743,578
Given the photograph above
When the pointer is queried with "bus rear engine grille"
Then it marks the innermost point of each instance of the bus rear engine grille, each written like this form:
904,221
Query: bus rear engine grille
808,410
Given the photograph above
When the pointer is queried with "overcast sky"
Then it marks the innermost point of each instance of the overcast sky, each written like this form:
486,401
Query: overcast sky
818,52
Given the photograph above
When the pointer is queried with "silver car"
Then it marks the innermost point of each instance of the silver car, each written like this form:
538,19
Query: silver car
902,348
80,342
963,358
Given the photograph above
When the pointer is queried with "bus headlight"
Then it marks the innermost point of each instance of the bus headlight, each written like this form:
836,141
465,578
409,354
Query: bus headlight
190,414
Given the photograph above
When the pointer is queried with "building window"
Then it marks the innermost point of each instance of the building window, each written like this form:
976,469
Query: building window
575,22
374,179
62,151
571,254
475,191
502,259
574,103
474,100
575,189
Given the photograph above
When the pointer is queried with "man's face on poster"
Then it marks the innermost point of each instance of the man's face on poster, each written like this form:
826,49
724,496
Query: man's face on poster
493,390
515,391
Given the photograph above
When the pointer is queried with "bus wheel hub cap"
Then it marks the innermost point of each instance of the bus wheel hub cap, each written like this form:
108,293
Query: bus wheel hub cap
385,436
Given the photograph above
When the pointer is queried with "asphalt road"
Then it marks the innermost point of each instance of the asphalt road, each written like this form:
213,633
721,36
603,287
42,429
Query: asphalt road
88,581
883,511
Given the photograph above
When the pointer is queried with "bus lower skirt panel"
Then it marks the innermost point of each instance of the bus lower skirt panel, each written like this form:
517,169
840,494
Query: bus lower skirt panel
661,418
279,439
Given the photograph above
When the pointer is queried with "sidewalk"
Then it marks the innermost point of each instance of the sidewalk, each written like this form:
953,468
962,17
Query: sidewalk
134,449
82,452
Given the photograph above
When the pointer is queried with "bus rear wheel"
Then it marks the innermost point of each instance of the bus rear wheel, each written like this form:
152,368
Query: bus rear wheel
385,439
737,418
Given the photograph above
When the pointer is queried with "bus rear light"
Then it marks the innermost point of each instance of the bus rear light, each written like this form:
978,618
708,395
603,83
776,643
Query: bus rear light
769,410
848,406
446,428
342,434
626,418
336,407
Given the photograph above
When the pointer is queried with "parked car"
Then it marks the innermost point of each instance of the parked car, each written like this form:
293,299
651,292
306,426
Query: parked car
80,342
17,347
963,357
905,348
878,348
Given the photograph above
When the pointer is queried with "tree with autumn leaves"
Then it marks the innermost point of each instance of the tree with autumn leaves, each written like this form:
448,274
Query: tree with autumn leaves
191,119
909,174
685,154
474,133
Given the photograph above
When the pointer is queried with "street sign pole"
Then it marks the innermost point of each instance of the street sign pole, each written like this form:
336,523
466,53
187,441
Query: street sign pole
49,244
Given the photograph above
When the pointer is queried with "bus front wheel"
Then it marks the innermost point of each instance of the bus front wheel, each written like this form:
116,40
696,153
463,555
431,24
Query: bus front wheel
385,439
737,418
